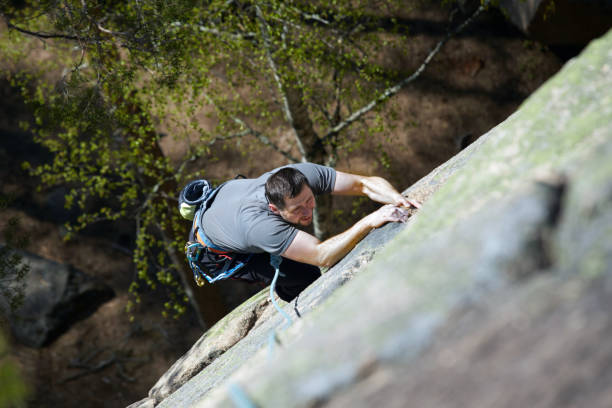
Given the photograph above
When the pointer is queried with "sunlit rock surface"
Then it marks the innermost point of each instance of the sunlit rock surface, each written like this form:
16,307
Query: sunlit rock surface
496,293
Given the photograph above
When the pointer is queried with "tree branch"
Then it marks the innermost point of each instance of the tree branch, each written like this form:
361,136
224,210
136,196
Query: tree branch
107,31
41,35
324,111
229,137
211,30
265,140
389,92
235,36
250,131
277,79
337,93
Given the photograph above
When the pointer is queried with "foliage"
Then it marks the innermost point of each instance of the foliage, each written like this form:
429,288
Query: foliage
12,389
121,71
12,269
12,286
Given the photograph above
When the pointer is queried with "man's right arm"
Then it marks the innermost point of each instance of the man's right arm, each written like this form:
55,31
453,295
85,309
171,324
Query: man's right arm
376,188
308,249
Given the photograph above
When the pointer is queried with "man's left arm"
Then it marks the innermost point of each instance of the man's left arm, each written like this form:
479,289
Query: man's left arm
376,188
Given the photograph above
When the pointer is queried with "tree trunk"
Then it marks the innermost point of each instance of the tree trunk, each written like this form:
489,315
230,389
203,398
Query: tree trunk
315,153
206,300
323,216
302,125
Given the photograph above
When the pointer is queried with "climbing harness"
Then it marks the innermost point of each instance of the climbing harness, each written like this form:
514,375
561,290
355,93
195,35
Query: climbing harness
207,261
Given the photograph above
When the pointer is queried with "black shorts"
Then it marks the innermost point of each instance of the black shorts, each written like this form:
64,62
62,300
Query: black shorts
294,276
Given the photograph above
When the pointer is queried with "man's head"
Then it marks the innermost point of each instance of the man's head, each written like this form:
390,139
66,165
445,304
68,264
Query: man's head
290,196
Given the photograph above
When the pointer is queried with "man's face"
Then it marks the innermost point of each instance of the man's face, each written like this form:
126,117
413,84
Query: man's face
298,210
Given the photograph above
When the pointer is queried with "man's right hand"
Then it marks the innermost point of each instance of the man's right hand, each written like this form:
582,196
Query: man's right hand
407,202
387,213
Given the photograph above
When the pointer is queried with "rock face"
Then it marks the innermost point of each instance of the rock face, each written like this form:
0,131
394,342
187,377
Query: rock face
258,319
496,293
56,296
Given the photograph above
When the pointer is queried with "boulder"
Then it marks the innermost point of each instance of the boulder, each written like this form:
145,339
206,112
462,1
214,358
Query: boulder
56,296
496,293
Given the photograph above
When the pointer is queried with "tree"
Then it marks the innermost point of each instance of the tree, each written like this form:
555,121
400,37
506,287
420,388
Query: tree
12,288
304,78
13,270
12,389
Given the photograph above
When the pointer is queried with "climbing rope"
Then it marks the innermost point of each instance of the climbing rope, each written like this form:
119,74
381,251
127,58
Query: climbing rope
275,261
239,397
236,393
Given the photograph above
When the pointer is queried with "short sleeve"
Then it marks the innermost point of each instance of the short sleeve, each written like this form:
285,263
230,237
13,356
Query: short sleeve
270,234
320,178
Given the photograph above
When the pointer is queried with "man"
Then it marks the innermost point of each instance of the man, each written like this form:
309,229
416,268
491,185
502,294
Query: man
263,216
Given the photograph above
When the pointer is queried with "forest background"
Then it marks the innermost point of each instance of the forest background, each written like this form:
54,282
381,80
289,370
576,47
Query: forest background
109,108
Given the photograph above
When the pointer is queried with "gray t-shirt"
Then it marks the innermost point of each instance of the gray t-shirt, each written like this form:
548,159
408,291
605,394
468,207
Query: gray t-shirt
239,219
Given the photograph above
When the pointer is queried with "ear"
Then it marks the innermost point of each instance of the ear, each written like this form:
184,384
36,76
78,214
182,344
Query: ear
273,208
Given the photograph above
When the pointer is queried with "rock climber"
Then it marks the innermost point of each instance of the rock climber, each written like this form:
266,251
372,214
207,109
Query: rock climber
256,218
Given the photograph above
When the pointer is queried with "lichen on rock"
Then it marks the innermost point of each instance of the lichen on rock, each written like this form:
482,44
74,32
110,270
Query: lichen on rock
518,221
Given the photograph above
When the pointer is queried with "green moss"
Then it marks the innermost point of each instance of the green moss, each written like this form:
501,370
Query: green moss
551,131
595,263
394,304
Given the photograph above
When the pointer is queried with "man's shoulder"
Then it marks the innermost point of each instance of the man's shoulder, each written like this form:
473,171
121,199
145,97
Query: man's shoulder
268,231
255,213
238,190
321,178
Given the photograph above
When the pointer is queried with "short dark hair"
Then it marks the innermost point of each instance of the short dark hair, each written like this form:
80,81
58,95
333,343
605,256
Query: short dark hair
285,183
